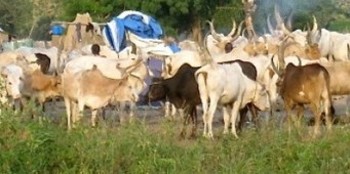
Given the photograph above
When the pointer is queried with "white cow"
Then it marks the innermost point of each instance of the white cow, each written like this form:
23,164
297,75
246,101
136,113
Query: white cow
227,85
332,44
110,68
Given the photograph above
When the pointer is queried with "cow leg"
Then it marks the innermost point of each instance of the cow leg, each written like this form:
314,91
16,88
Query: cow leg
167,109
67,103
74,113
93,117
226,118
186,116
243,117
81,106
210,115
204,100
300,111
289,119
234,115
194,121
131,111
43,107
317,114
328,113
103,113
122,108
254,111
173,111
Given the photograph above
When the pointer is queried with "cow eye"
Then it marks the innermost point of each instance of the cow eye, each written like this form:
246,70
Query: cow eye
9,83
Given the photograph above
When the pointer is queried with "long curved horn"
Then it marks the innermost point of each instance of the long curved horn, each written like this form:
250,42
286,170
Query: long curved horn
281,53
278,17
308,35
285,30
238,33
206,53
314,27
274,67
212,31
269,25
232,32
289,21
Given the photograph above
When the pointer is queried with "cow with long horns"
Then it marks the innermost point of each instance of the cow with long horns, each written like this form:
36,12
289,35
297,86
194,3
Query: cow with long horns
301,85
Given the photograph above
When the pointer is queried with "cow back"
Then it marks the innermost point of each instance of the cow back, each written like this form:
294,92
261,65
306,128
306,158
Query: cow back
248,68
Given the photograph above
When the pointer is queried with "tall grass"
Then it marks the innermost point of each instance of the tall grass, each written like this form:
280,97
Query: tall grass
27,146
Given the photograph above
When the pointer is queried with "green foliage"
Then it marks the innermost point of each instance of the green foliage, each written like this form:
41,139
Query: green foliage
42,28
340,25
176,17
97,9
30,147
16,16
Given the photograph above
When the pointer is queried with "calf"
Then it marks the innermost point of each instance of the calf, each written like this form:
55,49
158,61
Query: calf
227,85
36,85
41,86
91,88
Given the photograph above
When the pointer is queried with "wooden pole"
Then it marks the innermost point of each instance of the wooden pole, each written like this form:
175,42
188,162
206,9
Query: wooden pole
249,9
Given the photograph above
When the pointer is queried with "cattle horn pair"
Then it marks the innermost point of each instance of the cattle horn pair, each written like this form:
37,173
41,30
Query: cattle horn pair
234,33
280,23
238,33
212,30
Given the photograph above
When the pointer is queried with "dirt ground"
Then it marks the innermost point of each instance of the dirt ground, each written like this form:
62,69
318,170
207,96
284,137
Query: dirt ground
154,114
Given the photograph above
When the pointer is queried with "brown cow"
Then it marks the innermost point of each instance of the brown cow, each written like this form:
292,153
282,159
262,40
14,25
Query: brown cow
41,86
91,88
300,85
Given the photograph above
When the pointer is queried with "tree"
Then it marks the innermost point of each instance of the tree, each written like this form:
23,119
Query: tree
16,16
302,12
175,16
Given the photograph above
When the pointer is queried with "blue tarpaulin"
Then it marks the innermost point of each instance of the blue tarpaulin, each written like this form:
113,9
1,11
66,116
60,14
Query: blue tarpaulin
142,25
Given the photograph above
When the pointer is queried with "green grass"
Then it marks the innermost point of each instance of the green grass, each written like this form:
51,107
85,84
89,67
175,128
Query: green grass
26,146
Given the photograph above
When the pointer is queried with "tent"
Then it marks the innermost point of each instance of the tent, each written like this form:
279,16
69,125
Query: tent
135,22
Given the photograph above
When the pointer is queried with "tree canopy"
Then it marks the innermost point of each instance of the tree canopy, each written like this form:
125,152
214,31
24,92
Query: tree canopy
187,17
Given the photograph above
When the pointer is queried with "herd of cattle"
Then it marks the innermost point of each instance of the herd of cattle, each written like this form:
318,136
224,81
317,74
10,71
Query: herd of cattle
239,74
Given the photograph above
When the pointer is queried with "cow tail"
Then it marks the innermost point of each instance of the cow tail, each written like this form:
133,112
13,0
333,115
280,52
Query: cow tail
201,78
348,46
328,95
